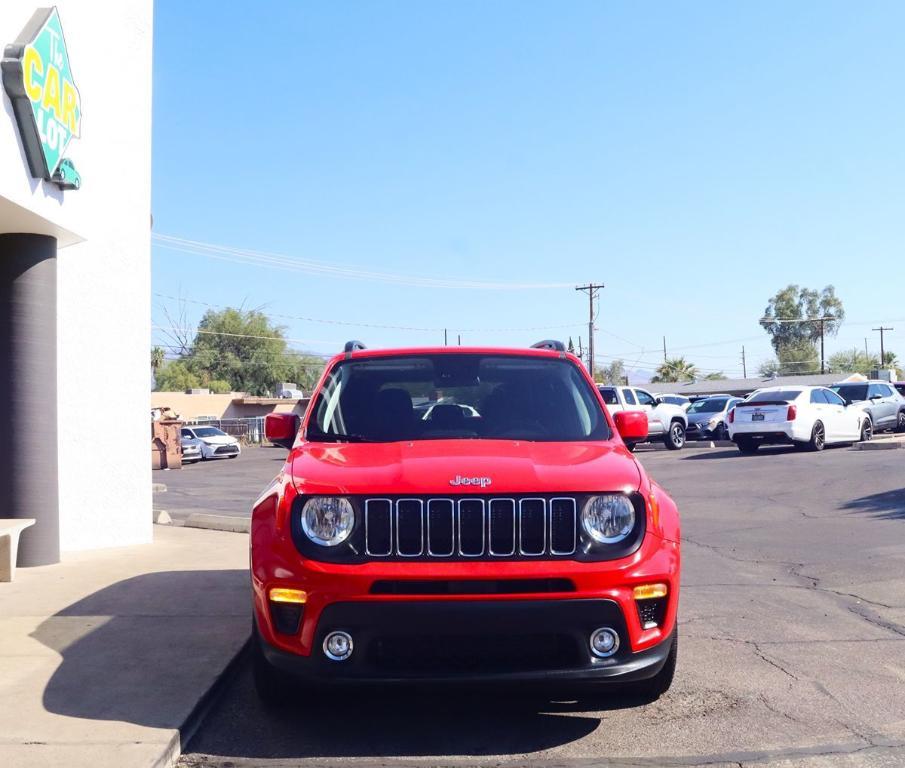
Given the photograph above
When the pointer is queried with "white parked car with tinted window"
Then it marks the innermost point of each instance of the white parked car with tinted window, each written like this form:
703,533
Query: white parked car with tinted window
806,417
214,443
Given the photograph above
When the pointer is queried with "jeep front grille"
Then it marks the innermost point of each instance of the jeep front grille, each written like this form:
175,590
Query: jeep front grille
471,527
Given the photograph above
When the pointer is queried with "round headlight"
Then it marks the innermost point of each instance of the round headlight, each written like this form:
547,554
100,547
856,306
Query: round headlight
608,519
328,520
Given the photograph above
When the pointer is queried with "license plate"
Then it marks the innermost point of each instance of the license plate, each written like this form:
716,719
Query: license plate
757,417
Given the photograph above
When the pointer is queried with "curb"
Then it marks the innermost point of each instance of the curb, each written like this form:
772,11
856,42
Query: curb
218,522
886,445
181,739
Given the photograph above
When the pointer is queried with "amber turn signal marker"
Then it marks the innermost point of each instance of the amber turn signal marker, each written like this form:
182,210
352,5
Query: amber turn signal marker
648,591
283,595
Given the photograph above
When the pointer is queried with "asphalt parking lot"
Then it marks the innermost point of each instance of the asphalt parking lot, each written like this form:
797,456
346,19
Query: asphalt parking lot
792,626
218,486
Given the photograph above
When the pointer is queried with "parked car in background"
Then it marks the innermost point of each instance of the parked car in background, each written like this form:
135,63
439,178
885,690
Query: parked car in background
680,400
665,421
879,399
215,443
900,387
806,417
191,449
707,417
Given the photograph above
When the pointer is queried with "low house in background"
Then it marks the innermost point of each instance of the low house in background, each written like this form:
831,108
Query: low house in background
201,405
744,387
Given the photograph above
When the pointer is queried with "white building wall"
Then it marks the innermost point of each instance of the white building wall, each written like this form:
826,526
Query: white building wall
104,277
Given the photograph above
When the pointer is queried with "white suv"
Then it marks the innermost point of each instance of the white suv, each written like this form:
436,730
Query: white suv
806,417
884,405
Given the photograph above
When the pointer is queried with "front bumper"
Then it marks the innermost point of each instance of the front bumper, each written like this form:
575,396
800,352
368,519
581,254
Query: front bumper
474,641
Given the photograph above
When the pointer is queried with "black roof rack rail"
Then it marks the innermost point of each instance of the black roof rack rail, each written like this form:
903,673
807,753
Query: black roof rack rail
551,344
351,346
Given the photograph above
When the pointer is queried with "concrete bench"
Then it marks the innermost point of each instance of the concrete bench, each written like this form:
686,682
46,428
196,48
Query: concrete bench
9,545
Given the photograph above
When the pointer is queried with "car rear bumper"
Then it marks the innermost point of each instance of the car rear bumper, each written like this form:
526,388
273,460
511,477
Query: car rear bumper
479,641
775,432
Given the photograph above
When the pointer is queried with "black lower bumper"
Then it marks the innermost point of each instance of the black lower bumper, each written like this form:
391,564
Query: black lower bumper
513,641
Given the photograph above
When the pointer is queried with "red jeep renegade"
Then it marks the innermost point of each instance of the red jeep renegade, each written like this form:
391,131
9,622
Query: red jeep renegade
462,514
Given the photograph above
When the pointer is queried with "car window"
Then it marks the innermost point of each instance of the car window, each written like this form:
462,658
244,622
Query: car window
208,432
609,395
644,398
497,397
832,398
628,396
885,390
187,433
818,397
708,405
780,395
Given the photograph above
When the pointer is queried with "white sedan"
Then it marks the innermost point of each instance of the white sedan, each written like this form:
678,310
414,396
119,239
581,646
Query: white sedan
806,417
214,443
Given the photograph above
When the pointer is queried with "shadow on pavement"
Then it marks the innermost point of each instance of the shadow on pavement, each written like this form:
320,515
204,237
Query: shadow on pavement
888,505
395,722
145,649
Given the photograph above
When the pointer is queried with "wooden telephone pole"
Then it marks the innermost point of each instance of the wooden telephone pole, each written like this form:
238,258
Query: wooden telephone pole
592,289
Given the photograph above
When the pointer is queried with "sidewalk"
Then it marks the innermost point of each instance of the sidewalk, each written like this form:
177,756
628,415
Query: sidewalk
104,657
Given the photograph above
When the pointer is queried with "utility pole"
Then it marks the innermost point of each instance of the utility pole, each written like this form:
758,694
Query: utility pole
881,329
866,355
664,349
580,350
460,339
744,367
822,368
592,289
445,340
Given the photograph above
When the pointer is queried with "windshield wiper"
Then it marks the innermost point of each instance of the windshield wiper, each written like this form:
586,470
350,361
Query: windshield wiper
323,437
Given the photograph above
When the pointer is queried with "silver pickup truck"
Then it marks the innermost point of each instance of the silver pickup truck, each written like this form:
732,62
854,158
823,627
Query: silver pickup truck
665,421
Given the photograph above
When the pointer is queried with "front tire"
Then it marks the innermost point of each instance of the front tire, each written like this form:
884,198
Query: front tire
867,430
271,685
818,437
675,436
653,689
900,422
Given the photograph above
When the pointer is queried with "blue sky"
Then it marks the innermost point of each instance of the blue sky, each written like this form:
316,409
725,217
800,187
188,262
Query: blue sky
694,157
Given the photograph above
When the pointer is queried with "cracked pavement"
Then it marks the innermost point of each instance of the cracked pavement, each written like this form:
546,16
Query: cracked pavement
792,624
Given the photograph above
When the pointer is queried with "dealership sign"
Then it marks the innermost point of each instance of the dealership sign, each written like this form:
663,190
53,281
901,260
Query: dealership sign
46,103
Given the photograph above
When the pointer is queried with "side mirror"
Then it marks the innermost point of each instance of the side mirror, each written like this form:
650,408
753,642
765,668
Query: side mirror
281,428
631,425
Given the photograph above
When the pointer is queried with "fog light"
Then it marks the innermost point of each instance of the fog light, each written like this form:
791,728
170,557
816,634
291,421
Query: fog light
284,595
338,646
604,642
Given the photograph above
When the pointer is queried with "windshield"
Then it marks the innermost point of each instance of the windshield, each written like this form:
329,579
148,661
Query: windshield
446,396
774,395
710,405
851,393
208,432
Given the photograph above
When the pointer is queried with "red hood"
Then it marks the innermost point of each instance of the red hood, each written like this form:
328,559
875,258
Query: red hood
427,467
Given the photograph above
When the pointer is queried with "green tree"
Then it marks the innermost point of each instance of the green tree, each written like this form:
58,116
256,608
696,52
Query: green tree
792,313
175,376
157,358
570,347
715,376
795,358
675,369
614,373
239,350
856,361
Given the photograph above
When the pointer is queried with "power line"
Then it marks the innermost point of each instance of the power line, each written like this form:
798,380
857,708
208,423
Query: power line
349,323
309,266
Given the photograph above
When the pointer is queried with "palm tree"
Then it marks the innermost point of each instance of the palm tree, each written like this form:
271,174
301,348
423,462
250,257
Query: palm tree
157,358
675,369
